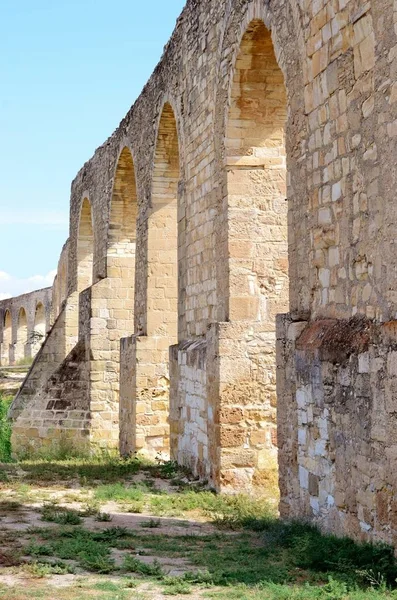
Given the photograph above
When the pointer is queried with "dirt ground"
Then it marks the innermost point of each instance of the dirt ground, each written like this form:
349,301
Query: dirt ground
148,543
11,379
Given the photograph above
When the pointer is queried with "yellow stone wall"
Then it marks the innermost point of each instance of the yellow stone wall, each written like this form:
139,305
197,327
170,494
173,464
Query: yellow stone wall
253,177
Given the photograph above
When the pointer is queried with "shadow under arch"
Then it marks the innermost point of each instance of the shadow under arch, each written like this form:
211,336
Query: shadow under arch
157,328
7,339
162,276
39,328
251,115
123,210
85,247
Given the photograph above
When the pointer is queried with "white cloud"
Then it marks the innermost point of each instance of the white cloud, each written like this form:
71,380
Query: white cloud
12,286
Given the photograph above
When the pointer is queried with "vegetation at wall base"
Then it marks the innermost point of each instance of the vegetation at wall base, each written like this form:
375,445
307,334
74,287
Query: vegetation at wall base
131,520
5,430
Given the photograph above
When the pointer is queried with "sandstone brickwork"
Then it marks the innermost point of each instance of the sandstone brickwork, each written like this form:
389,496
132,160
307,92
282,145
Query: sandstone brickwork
243,209
24,323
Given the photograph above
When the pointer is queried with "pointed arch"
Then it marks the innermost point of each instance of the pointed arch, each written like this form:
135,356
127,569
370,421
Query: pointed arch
85,247
123,211
7,339
162,292
256,181
254,199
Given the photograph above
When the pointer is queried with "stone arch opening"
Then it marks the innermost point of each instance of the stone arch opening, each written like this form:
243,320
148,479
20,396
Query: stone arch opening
123,212
258,285
39,328
151,392
116,297
22,336
85,247
162,292
7,339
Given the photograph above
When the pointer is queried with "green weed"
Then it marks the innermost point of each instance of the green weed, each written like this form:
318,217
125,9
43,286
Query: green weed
42,569
103,517
175,586
120,493
151,524
60,515
5,430
132,564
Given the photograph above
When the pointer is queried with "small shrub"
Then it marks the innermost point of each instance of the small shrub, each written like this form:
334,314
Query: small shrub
133,507
176,586
42,569
166,469
151,524
110,535
107,586
38,550
98,564
59,515
103,517
91,509
133,565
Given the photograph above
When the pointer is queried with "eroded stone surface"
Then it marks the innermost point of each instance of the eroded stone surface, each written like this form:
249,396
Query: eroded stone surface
181,232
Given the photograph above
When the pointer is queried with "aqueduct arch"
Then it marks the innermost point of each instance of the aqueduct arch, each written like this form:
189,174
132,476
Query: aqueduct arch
336,373
162,282
112,305
39,328
145,356
21,338
7,339
20,312
257,212
85,247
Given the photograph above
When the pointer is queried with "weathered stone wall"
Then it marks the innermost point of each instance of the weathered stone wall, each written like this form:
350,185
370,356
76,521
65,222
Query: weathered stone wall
191,415
180,230
29,411
343,434
59,287
24,322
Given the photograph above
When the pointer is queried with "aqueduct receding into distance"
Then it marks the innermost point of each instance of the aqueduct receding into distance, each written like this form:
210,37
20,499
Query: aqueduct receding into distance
187,271
24,322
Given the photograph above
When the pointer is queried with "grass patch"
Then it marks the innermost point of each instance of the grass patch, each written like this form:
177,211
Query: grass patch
274,560
250,556
118,492
88,471
60,515
44,569
27,361
5,430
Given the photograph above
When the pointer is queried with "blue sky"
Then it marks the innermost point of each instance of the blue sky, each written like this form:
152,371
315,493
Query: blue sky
69,71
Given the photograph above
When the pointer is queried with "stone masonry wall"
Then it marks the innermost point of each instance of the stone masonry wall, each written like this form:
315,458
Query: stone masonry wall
256,173
24,322
345,430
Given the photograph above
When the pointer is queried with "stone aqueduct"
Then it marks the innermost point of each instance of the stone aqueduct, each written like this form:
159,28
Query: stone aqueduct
244,208
24,322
